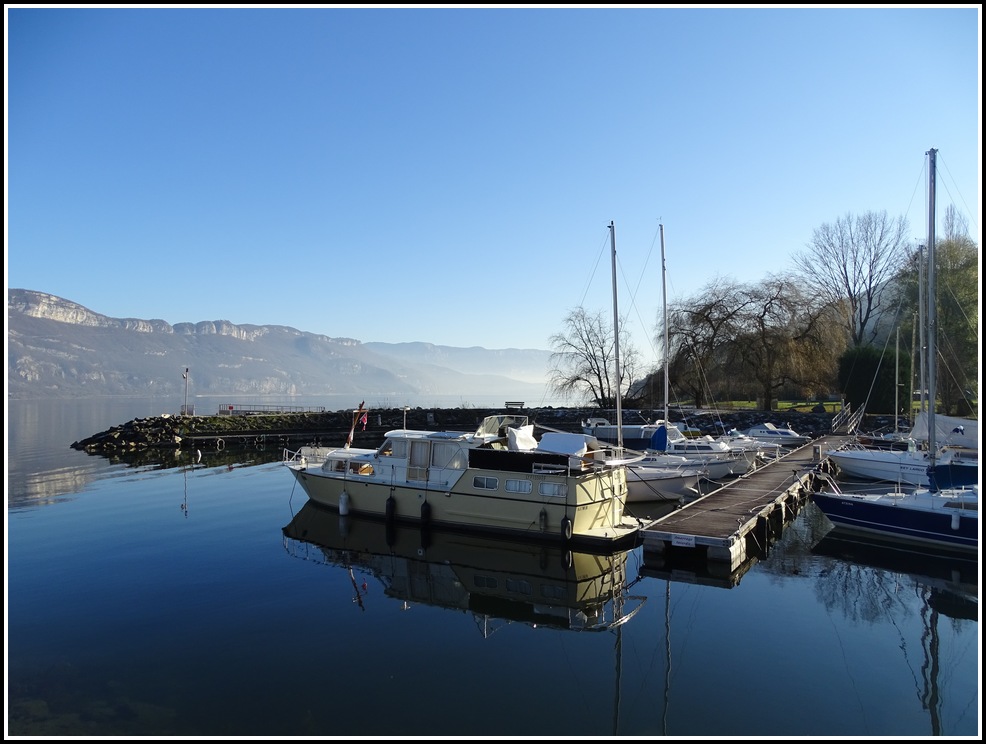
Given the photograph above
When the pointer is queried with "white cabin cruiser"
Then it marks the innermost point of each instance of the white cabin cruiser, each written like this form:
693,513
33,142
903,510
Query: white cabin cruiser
498,479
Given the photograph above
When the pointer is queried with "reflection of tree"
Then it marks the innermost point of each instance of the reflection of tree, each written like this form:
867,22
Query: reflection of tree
861,593
163,459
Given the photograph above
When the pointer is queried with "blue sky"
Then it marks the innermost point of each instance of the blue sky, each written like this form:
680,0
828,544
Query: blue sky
449,175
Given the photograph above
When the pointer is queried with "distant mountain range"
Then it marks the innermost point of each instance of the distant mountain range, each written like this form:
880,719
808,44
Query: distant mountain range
58,348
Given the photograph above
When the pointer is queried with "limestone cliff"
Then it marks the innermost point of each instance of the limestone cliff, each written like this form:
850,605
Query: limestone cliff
56,347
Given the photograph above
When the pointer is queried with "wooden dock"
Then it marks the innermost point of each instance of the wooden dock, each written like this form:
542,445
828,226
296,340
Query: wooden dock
731,525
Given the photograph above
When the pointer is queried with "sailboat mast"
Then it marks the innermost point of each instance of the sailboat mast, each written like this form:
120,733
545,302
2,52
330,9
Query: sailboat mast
616,342
932,319
910,393
922,333
664,297
897,382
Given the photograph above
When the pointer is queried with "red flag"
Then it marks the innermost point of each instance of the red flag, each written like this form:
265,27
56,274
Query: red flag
363,421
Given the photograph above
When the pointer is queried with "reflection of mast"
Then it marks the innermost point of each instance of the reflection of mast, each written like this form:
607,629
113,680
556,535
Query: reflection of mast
357,597
931,697
667,649
619,675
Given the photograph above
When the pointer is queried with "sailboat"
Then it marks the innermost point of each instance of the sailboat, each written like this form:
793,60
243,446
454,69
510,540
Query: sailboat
650,478
931,516
717,458
663,443
912,458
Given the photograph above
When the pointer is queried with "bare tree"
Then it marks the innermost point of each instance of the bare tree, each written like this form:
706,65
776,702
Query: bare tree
583,361
849,264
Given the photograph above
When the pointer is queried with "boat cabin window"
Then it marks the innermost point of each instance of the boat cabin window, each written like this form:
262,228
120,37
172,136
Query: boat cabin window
515,485
553,591
393,448
552,489
353,467
336,466
448,455
519,586
485,482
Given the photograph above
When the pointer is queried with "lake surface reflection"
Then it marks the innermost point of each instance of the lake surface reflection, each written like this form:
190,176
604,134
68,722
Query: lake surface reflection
209,598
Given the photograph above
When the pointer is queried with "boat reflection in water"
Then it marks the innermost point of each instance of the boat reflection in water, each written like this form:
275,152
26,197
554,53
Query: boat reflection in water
499,581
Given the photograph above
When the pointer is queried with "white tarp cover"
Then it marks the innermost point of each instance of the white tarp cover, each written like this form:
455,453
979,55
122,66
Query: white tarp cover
521,438
573,445
565,443
945,430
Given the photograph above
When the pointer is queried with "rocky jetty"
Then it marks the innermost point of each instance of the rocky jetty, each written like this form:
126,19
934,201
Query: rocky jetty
276,430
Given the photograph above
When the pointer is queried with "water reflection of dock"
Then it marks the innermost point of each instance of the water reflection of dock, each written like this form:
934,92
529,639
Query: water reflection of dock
730,527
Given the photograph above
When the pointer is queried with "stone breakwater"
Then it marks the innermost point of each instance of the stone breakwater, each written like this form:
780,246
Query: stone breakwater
179,432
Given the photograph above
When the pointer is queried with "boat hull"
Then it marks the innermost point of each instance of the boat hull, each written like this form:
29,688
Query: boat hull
893,466
903,519
785,437
651,484
954,474
587,511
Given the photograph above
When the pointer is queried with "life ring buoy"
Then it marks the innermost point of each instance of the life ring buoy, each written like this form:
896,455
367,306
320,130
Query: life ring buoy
566,528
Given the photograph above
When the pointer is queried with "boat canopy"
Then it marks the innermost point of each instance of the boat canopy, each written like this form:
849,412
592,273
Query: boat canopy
951,430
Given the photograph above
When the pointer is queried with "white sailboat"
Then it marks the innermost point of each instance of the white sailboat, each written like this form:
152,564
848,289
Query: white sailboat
652,478
943,518
914,463
717,458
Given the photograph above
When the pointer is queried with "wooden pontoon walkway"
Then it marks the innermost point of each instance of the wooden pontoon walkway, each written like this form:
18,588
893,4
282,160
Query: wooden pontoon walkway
734,522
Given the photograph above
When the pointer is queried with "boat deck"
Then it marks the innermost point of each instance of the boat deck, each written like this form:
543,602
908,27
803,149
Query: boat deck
735,522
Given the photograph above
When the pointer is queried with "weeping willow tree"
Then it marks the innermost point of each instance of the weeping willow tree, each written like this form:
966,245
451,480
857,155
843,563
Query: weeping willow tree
755,341
788,341
700,354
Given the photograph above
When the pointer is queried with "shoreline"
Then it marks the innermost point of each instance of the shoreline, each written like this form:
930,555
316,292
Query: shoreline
331,428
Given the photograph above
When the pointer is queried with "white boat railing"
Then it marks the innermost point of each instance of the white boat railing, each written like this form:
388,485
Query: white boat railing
846,421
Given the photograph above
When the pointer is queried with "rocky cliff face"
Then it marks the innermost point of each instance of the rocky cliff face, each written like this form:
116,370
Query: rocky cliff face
60,348
49,307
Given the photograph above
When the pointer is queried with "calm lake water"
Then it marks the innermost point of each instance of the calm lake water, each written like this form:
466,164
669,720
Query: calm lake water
205,599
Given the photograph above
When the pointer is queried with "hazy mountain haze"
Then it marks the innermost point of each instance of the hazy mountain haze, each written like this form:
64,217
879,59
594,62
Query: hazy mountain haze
56,347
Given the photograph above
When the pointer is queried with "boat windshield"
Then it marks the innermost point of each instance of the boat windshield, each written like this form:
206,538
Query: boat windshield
497,425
